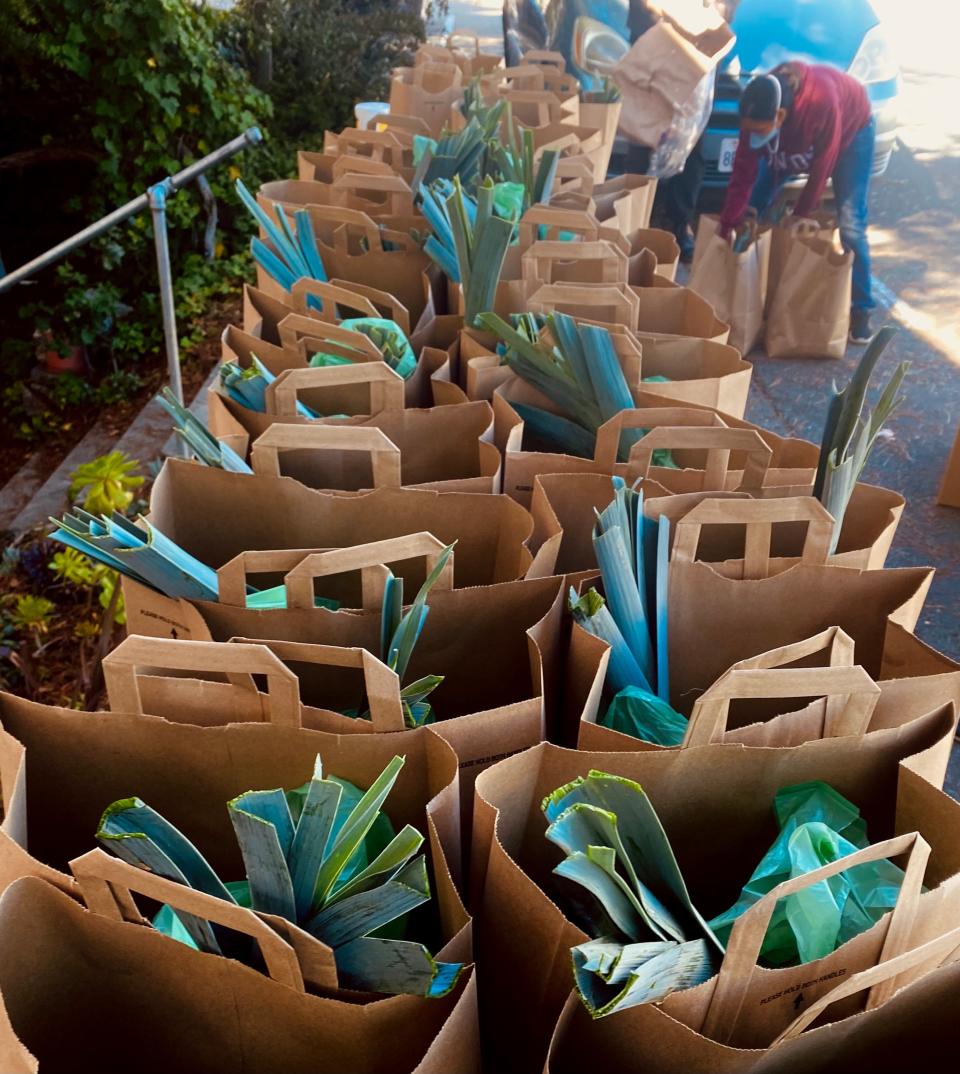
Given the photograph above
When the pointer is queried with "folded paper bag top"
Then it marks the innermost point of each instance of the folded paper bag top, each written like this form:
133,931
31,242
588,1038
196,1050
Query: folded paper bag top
760,702
214,518
443,449
57,985
772,609
524,937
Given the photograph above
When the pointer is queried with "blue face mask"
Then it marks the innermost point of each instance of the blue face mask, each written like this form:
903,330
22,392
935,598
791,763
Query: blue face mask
758,141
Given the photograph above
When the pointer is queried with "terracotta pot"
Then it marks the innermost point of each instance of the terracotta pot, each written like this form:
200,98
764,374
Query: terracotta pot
74,361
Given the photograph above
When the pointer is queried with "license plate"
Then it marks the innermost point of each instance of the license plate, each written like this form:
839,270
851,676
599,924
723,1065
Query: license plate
728,150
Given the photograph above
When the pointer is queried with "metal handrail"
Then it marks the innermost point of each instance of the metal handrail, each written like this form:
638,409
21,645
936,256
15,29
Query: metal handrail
154,199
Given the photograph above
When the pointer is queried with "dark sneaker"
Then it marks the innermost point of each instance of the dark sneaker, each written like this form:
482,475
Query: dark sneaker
686,242
860,326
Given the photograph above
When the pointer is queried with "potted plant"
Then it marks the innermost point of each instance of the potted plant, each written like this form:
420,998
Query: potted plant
63,333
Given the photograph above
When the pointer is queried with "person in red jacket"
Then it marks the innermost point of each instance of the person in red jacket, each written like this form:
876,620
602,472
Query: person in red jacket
815,120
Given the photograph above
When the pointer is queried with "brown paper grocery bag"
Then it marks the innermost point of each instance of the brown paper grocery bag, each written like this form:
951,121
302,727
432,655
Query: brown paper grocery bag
352,248
444,449
735,284
347,393
328,301
865,538
516,629
376,193
462,47
187,771
297,329
605,117
626,201
767,690
949,494
662,244
200,1012
809,314
427,92
217,520
700,371
715,804
661,73
774,461
704,603
915,1025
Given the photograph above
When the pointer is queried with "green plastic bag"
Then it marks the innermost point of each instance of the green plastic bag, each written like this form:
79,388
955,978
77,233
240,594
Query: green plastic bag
817,826
641,714
508,200
386,334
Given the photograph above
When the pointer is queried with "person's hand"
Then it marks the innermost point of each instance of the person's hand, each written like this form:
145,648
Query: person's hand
726,233
801,225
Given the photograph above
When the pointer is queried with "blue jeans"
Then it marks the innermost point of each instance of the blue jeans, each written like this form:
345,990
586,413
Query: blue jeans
851,186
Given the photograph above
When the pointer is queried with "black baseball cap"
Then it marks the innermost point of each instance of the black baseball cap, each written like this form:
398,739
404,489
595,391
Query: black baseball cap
763,96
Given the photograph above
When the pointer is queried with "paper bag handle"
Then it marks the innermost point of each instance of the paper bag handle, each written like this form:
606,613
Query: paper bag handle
106,884
578,171
758,516
177,654
386,386
232,576
434,77
718,442
381,300
540,260
398,199
369,559
623,303
382,685
347,163
468,35
340,215
708,720
746,936
834,642
379,142
608,434
384,453
555,219
295,325
329,294
945,949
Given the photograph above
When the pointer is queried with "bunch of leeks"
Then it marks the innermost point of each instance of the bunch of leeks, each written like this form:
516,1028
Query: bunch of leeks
140,551
247,387
851,431
576,367
626,891
514,159
399,633
633,555
321,856
204,446
469,240
294,254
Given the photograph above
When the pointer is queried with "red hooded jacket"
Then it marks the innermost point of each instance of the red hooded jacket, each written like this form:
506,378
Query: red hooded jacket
829,109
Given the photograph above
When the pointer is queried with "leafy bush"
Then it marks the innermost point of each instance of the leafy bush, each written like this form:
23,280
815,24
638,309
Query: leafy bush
317,58
114,96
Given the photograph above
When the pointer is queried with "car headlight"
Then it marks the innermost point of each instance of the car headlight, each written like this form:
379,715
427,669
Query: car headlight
597,47
874,61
